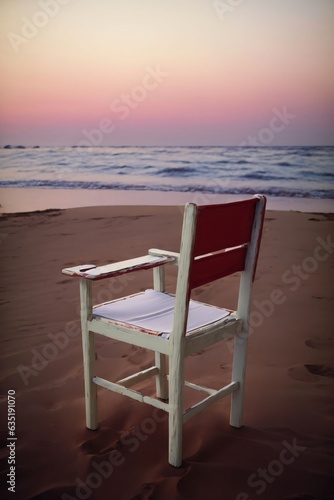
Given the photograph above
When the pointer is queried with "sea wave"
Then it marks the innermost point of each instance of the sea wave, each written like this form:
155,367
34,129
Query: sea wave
305,172
269,191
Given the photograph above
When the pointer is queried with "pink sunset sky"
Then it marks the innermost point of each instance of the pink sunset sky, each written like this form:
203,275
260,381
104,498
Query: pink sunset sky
179,72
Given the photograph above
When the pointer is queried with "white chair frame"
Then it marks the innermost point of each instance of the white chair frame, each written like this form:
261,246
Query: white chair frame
170,388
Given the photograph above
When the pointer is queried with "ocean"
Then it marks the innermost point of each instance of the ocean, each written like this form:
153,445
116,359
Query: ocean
295,172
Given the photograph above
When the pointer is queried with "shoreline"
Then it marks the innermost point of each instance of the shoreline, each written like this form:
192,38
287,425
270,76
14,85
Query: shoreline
16,200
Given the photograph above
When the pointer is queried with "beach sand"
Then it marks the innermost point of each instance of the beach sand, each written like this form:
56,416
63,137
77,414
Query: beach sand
32,199
284,450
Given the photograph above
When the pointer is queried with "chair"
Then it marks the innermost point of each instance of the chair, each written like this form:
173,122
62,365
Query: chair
217,240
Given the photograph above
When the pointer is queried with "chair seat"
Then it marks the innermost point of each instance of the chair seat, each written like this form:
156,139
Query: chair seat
153,312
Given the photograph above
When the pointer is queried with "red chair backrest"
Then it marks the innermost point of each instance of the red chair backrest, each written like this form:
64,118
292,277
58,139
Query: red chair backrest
221,227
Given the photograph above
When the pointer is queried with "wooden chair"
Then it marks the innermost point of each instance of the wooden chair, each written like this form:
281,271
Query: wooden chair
217,240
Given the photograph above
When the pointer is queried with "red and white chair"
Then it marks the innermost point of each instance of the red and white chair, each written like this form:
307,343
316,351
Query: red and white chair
217,240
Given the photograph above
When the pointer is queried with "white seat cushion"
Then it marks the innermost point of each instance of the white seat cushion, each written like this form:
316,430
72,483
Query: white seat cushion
154,311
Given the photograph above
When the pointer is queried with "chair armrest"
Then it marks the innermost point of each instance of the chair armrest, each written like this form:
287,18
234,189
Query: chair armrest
92,272
165,253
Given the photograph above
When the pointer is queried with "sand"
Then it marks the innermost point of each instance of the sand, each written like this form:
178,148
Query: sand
32,199
284,450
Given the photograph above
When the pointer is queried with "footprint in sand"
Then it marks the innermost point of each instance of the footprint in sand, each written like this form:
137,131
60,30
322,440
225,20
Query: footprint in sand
146,492
310,372
54,405
322,370
98,445
137,356
321,344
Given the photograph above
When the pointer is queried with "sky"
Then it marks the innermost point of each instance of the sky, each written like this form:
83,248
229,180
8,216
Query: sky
173,72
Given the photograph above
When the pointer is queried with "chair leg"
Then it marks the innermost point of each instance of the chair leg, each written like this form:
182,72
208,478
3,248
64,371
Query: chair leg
161,378
88,350
88,346
238,375
175,414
